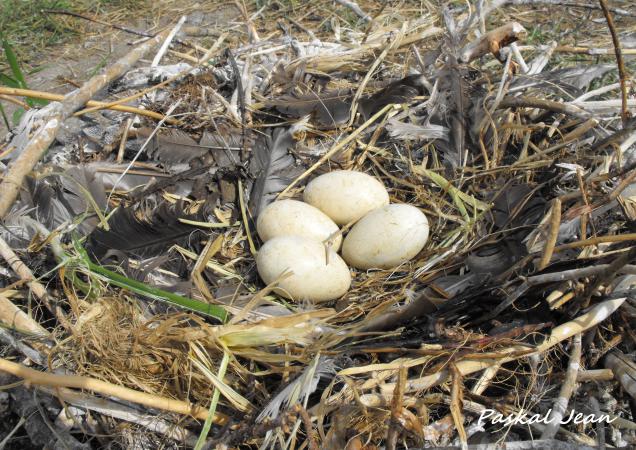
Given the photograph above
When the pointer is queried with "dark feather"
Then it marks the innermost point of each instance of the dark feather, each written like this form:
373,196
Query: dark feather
327,109
225,145
41,197
144,235
272,166
59,199
173,146
458,92
400,91
519,208
332,108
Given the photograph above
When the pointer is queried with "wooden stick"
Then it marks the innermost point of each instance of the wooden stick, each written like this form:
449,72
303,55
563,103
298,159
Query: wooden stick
117,410
592,51
550,105
456,406
15,101
624,370
595,375
14,317
34,377
44,136
396,410
95,104
25,273
622,73
596,240
492,42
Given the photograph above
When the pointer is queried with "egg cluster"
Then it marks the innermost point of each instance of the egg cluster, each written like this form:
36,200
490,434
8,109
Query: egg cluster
295,233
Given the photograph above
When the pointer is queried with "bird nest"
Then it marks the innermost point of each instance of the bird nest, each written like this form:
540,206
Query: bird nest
519,149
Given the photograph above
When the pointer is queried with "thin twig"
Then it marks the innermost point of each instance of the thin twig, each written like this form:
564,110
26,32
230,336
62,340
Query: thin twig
353,6
550,105
304,415
596,240
92,103
456,407
622,73
96,20
396,410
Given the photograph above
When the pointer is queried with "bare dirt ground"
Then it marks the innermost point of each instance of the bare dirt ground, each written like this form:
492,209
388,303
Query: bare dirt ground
60,68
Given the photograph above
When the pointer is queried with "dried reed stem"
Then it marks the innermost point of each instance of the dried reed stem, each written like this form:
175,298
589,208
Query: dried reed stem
555,222
622,73
93,103
35,377
567,388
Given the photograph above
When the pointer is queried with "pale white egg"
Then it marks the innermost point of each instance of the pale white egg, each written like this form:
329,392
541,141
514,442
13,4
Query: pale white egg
346,195
295,218
386,237
312,276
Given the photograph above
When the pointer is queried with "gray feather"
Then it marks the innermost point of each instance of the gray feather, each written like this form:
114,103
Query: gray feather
413,132
273,166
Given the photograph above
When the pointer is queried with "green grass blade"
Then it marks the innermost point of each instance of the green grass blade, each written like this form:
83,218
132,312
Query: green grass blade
12,59
140,288
4,117
8,81
213,403
17,115
18,80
